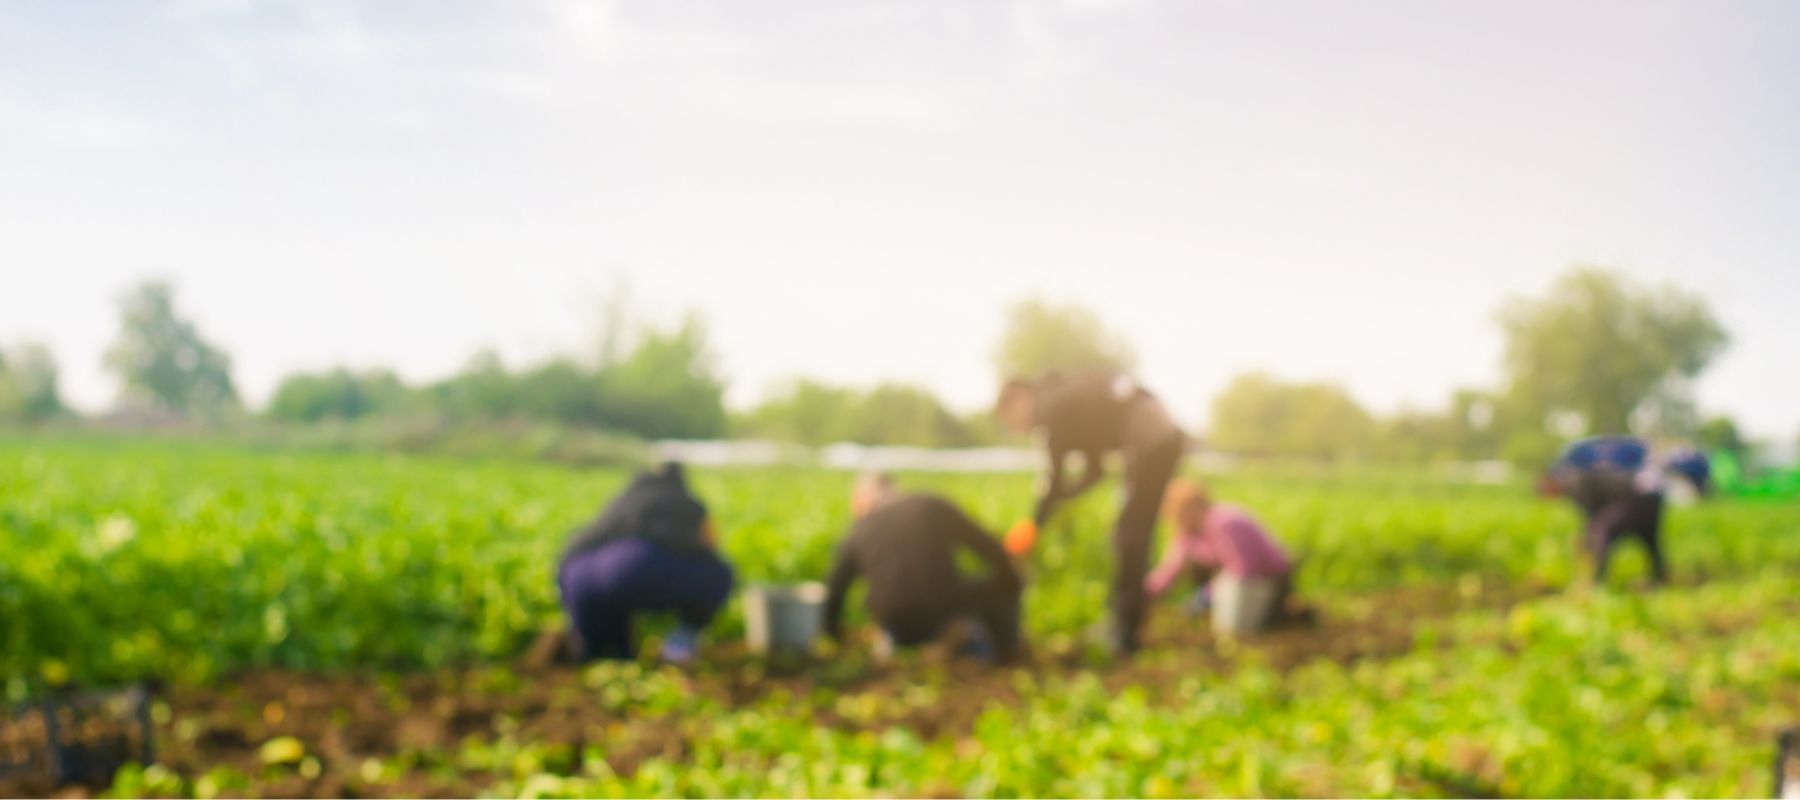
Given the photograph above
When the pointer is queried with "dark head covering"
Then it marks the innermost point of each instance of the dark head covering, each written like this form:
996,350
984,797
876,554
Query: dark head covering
656,506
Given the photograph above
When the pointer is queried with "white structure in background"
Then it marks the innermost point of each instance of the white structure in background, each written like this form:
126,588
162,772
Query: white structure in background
730,453
856,457
1493,472
847,456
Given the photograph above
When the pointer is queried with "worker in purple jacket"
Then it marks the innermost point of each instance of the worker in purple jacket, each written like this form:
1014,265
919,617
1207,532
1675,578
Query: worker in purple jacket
652,549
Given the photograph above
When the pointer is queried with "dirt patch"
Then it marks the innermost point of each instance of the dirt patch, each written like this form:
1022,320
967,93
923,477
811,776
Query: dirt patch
343,721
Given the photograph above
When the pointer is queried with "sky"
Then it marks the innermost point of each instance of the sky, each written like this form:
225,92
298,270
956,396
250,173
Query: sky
857,190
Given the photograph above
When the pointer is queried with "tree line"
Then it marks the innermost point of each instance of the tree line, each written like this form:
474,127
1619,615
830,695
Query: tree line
1596,353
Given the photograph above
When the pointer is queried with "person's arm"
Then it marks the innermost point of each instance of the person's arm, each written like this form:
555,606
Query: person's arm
609,525
843,574
1168,569
970,535
1055,493
1052,491
1093,469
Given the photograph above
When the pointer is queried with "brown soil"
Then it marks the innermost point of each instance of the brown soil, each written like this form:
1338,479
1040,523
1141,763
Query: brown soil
343,720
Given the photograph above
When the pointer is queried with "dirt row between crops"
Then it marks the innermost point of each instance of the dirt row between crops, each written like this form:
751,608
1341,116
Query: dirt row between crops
343,720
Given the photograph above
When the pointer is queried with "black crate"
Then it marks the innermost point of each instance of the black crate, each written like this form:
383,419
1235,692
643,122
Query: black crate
77,737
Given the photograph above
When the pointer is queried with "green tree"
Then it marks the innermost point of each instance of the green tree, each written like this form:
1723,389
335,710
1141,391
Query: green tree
806,412
337,394
560,391
1259,415
1412,436
1470,427
28,384
1042,336
163,362
667,386
1607,350
896,414
482,390
814,413
1720,434
1475,427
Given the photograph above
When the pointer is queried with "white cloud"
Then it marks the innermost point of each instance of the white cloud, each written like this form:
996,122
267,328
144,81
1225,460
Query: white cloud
536,87
254,41
206,8
1103,7
78,126
336,33
1056,38
591,25
915,109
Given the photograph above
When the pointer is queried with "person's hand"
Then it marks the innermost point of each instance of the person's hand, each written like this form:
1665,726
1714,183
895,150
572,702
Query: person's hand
1019,540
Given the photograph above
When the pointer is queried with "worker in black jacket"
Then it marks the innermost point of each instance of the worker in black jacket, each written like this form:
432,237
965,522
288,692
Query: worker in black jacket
905,545
652,549
1094,413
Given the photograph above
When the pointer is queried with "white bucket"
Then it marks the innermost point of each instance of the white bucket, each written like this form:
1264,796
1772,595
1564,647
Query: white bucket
1243,605
783,619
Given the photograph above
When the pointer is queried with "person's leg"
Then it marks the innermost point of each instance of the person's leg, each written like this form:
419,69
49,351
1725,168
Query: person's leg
1648,525
1604,529
695,586
912,626
592,594
605,630
1131,537
708,582
1279,613
1264,595
995,604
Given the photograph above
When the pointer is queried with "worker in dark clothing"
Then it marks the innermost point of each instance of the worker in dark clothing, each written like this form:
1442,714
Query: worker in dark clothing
653,549
905,545
1093,414
1620,494
1692,466
1787,765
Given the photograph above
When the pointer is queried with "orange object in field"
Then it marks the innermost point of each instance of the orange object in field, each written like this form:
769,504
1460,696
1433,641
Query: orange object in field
1548,487
1022,536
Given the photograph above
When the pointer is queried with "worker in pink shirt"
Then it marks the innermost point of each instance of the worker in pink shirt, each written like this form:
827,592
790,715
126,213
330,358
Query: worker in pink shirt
1250,573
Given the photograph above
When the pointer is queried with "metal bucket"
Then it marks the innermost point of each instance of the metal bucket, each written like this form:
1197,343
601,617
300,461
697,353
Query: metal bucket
1243,605
783,620
77,737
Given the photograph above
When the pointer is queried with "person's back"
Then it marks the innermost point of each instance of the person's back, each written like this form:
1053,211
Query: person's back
1243,546
656,506
906,549
651,549
1600,471
905,546
1100,411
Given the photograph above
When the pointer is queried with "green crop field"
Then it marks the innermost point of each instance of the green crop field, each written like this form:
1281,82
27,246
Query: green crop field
289,602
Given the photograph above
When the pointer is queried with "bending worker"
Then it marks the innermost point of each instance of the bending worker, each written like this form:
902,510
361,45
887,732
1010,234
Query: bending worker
1619,491
1096,413
1233,550
906,545
653,549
